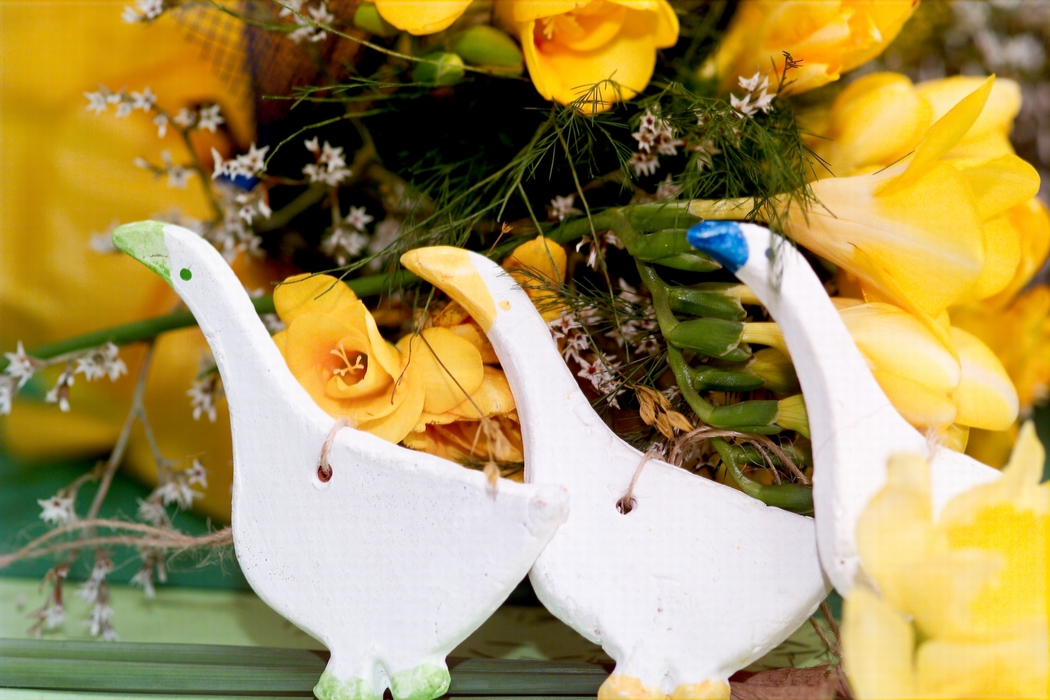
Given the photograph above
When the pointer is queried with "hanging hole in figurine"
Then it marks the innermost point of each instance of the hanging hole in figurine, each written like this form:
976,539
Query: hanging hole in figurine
324,473
625,505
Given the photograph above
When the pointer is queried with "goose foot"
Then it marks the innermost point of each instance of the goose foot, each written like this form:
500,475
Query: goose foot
424,682
620,686
331,687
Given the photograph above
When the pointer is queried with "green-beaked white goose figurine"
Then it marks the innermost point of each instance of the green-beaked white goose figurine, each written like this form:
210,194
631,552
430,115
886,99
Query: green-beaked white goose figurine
391,562
854,427
696,581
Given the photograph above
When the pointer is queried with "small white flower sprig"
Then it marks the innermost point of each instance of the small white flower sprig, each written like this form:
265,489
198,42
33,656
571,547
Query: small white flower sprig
70,533
93,363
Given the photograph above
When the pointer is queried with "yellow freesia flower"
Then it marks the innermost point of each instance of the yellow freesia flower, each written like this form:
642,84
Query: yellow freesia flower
430,390
932,384
956,606
931,231
421,16
827,38
572,45
68,173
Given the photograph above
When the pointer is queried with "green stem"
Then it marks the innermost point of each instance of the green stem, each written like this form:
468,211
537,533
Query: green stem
793,497
306,199
152,327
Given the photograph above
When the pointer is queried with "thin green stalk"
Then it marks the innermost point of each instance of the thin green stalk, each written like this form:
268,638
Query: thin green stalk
152,327
794,497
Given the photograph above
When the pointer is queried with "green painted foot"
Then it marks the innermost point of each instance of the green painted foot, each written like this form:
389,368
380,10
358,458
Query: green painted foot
331,688
424,682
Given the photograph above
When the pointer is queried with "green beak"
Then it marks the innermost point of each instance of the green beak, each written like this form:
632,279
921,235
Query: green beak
144,241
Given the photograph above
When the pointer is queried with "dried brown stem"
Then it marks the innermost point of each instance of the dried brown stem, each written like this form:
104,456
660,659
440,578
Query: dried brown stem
160,538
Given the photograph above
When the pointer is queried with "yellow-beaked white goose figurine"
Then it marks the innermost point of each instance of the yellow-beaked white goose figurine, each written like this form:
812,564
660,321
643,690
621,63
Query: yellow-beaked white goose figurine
696,581
855,429
391,562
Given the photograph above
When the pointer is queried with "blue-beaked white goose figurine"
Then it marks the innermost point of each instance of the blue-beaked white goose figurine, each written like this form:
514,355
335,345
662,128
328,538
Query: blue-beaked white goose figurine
392,561
853,425
694,582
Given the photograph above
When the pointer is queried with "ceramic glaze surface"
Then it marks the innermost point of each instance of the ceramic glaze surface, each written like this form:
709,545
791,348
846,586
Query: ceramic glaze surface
855,428
394,560
696,581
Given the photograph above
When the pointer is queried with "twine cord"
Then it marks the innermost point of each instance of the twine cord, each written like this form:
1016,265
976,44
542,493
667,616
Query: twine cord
626,504
324,468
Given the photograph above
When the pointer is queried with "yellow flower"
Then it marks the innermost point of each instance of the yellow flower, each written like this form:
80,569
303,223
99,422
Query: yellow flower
572,45
1020,336
933,230
333,347
539,267
828,38
421,16
932,384
961,610
69,173
430,390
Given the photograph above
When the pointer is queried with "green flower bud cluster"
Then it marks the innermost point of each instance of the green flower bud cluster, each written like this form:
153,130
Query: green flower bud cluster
706,332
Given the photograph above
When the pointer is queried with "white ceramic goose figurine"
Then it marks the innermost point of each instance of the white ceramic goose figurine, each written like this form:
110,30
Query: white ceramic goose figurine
696,581
395,559
854,426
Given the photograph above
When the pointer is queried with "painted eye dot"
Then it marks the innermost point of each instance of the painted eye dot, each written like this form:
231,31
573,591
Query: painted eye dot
185,273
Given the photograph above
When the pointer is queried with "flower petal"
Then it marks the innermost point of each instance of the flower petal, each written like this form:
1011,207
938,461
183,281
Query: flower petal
920,247
311,294
986,397
492,398
945,133
564,75
450,367
878,642
421,16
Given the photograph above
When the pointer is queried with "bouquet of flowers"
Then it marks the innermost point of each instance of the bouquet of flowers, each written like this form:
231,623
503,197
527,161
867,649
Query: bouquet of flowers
313,142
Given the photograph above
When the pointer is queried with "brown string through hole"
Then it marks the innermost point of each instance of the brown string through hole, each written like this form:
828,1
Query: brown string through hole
627,503
324,468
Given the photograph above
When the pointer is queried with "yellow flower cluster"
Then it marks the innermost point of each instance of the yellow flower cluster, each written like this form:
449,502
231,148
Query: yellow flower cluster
957,604
434,389
925,206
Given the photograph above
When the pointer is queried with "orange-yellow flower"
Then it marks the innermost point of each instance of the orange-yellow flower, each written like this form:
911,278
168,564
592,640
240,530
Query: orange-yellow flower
960,609
433,389
828,38
572,45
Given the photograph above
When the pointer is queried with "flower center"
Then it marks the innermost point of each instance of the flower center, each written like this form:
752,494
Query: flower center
355,367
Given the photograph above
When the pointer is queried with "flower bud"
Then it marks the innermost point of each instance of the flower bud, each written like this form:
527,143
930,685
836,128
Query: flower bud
439,68
482,45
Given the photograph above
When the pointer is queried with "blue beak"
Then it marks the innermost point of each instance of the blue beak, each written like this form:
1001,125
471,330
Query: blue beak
722,240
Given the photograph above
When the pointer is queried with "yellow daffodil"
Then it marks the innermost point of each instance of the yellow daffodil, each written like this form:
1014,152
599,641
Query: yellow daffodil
539,266
932,384
956,605
933,230
421,16
572,45
69,174
827,38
